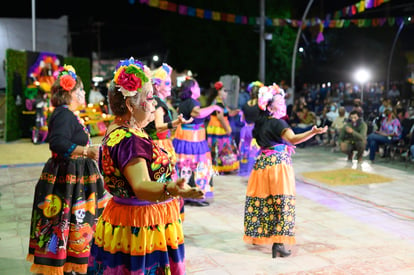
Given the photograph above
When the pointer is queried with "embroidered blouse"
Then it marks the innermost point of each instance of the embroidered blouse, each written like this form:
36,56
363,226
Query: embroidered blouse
122,145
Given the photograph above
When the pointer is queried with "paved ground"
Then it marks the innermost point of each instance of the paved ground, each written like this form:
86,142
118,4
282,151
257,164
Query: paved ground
364,229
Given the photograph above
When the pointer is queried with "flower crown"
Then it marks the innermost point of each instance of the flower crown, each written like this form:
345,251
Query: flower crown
67,78
254,84
161,73
130,76
266,94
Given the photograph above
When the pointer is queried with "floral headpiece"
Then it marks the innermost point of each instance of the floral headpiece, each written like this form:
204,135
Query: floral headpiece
67,78
218,85
266,94
130,76
254,84
161,73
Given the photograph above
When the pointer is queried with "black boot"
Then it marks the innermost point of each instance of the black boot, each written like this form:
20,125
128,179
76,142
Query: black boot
280,248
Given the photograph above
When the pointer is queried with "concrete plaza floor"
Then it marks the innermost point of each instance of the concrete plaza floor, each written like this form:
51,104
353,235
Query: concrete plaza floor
353,229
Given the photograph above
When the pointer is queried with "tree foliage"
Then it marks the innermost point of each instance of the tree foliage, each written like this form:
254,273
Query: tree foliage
279,55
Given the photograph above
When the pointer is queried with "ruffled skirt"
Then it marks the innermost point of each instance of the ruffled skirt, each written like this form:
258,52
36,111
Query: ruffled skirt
249,149
224,151
69,197
144,239
269,212
194,157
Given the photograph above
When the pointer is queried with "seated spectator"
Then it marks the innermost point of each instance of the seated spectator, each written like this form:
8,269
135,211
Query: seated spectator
389,132
337,125
411,134
393,94
324,120
407,120
352,136
306,120
386,105
358,107
333,112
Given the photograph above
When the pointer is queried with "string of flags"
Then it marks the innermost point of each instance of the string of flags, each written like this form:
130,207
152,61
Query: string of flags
331,21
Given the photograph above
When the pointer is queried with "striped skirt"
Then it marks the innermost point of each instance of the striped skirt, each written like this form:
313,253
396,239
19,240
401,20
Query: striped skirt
138,237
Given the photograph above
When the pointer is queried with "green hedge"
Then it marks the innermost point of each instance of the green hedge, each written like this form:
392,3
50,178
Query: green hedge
16,61
83,69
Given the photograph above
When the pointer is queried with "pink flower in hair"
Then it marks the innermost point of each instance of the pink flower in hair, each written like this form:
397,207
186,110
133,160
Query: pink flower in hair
266,94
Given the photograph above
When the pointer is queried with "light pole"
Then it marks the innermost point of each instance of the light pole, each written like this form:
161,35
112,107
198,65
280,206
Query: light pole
262,51
362,75
295,48
392,53
34,25
154,60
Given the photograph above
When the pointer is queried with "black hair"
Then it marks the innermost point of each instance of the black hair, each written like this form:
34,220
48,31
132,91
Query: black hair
186,87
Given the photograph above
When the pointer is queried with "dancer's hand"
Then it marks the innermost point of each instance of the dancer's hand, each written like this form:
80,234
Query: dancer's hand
182,120
182,189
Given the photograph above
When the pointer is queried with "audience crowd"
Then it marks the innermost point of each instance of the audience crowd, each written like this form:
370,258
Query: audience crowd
331,105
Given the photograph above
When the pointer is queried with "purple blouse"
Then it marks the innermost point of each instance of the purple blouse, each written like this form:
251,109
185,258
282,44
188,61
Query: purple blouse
118,148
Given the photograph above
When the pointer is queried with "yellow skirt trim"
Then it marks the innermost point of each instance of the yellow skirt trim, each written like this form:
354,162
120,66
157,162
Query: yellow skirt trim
227,168
138,241
214,126
139,230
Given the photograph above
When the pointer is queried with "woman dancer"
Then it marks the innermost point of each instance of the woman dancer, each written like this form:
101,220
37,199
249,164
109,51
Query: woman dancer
248,146
269,215
225,159
190,144
160,129
70,195
140,230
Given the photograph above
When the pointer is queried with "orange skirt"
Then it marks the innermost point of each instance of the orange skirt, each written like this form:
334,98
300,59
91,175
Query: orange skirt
269,215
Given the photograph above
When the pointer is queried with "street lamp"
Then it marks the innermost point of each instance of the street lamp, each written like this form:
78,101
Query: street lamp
154,60
362,75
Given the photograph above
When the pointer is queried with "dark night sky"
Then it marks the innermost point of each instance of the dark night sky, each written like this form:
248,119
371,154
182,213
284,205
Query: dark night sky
120,17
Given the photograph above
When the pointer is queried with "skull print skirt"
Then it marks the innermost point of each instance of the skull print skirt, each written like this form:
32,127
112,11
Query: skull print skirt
69,197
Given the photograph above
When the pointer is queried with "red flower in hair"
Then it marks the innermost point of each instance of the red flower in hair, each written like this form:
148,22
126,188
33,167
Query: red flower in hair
67,82
218,85
128,81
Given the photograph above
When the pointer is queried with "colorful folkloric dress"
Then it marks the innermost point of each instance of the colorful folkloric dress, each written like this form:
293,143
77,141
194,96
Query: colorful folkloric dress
69,197
225,158
135,236
193,154
269,213
164,141
248,147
